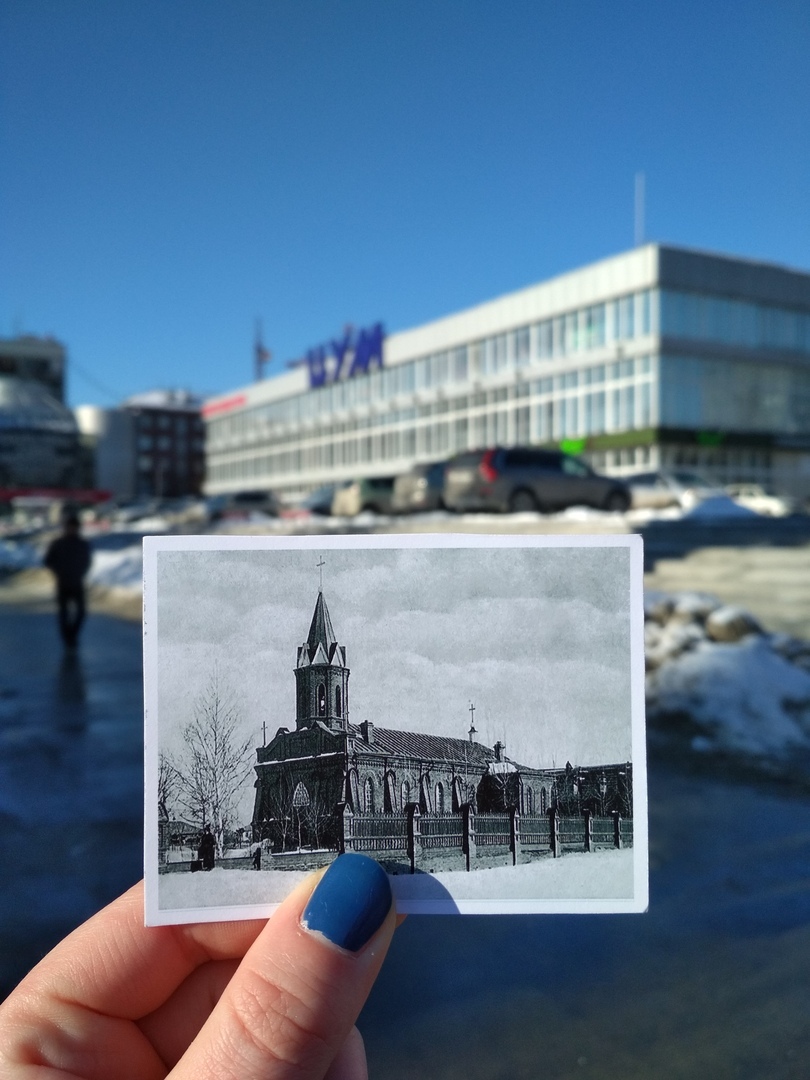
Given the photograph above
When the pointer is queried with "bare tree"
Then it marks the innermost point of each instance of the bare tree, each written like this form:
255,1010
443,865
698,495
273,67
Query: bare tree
215,763
168,782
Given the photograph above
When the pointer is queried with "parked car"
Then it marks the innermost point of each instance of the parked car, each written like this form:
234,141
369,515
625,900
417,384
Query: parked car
241,504
656,490
524,478
319,501
419,489
755,497
372,493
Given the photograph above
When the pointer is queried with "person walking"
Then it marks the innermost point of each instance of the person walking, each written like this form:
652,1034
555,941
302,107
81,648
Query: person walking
68,558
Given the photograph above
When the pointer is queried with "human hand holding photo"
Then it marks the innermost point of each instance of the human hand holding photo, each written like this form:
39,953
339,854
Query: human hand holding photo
274,1000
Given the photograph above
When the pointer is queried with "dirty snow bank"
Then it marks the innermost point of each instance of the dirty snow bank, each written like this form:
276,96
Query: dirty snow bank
715,678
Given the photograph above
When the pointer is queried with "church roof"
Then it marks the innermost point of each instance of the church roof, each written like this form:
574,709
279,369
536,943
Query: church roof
320,630
424,747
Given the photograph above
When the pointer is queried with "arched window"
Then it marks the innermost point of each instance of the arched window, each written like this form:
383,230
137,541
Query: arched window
405,793
338,703
529,800
439,800
321,694
368,796
543,800
389,793
458,795
300,797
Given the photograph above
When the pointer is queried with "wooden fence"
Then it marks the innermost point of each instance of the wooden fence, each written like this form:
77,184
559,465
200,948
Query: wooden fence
477,838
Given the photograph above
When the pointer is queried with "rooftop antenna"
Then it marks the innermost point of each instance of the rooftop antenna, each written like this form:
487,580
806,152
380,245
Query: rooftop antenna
261,355
639,210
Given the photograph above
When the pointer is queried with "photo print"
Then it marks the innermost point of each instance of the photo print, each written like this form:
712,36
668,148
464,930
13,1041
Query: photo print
467,710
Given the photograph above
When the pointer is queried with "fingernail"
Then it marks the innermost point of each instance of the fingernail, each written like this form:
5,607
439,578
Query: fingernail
350,902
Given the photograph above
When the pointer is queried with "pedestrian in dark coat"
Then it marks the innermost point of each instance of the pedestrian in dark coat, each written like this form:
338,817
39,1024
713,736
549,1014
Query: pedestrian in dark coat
207,849
69,557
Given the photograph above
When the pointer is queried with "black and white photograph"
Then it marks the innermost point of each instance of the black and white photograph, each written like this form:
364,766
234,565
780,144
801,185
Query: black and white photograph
466,710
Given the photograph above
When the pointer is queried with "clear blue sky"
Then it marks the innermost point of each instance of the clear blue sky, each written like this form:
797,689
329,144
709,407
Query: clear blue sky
173,170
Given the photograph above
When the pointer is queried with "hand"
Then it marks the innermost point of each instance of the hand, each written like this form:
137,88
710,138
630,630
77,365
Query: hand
273,1000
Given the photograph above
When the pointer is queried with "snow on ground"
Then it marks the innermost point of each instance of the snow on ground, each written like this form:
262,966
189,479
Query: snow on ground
745,697
18,555
118,569
603,875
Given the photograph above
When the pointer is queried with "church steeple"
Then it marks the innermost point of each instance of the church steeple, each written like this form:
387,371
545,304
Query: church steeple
321,675
320,629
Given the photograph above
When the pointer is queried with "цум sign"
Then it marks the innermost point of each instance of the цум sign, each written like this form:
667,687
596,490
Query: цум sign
351,355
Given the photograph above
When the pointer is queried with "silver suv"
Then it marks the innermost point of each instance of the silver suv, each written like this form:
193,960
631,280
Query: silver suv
524,478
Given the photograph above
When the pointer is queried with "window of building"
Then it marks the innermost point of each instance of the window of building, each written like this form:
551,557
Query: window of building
405,793
544,339
522,340
439,798
460,369
321,699
368,796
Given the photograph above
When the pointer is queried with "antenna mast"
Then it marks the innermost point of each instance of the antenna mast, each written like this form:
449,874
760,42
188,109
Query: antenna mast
639,210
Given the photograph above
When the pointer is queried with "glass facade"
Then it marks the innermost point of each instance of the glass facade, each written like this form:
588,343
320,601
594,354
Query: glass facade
605,377
733,322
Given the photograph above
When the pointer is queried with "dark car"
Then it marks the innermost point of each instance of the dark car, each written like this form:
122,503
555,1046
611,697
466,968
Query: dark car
419,489
242,504
523,478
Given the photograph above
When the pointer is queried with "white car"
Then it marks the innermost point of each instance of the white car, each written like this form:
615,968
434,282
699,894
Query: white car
755,497
656,490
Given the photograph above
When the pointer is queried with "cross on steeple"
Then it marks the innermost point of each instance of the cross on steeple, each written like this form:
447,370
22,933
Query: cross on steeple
472,730
321,564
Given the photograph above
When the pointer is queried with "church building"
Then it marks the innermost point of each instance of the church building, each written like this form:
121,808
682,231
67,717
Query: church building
307,778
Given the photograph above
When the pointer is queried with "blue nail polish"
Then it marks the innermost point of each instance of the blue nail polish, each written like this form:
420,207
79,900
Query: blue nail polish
350,902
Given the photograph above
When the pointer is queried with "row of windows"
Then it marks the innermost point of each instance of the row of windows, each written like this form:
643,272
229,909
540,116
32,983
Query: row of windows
438,799
699,393
570,416
733,322
165,442
562,336
250,424
162,421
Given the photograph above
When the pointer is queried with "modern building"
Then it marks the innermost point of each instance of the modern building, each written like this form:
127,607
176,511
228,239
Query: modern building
35,359
153,445
39,439
658,357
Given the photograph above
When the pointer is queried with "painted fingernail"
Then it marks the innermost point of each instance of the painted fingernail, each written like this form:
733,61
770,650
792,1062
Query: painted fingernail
350,902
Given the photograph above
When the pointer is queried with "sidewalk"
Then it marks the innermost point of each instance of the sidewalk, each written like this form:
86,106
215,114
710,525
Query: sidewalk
71,777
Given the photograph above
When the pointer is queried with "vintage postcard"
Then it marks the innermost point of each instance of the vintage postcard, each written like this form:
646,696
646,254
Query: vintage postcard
467,710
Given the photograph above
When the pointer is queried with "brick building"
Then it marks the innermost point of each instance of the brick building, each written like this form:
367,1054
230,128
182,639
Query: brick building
307,778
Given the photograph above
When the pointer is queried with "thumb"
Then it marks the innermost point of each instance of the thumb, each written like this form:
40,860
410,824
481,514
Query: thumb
293,1000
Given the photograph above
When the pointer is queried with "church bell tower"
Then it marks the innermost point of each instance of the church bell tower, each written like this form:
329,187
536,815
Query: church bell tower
321,675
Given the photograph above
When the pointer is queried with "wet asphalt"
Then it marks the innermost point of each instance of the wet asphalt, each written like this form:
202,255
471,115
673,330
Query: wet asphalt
712,982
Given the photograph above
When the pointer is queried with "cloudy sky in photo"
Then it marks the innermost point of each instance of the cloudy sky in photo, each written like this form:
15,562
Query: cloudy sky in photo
538,638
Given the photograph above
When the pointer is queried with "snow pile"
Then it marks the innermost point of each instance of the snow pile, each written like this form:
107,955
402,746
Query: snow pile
714,677
17,555
118,569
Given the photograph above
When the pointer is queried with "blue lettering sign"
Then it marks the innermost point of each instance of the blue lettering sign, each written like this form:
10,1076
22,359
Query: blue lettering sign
353,354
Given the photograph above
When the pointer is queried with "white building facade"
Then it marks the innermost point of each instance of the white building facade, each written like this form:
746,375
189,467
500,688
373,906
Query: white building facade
660,357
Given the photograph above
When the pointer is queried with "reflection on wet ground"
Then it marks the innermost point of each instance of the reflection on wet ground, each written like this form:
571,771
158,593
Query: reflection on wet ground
71,764
712,982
